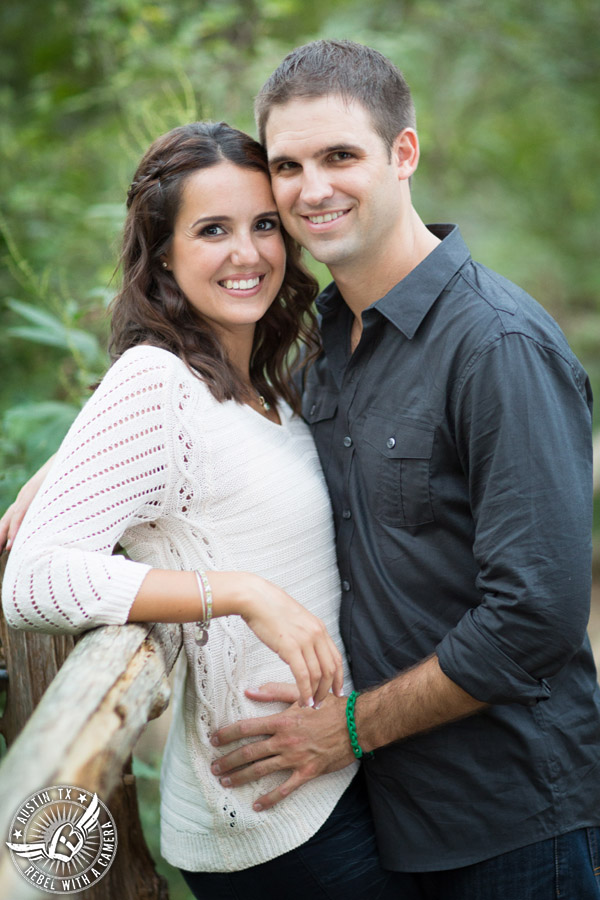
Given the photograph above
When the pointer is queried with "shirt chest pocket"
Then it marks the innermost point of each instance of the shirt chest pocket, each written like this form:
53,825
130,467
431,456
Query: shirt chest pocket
398,454
319,408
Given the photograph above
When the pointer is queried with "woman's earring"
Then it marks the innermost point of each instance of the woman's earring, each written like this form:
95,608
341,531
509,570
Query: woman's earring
164,264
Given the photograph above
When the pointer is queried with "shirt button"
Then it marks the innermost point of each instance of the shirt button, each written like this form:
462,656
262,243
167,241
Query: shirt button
391,442
345,586
346,514
347,441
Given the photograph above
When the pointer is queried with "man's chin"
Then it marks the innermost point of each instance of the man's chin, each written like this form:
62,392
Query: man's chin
329,256
323,250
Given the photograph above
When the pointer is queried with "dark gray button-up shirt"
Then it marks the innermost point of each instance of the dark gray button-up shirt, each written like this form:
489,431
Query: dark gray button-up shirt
456,443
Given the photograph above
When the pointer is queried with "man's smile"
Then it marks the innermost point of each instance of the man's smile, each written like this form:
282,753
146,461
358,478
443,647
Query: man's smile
324,218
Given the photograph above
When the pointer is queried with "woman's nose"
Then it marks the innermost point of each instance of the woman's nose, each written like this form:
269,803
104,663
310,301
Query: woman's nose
245,252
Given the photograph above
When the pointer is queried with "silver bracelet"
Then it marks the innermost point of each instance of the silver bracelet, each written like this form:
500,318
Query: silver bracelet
201,627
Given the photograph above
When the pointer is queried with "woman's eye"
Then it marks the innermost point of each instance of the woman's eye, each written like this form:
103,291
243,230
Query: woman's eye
212,230
267,225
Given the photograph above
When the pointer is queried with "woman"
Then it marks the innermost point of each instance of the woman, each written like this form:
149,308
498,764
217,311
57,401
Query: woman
192,457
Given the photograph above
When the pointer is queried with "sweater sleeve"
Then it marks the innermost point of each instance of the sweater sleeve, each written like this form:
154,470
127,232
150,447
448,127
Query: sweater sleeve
110,473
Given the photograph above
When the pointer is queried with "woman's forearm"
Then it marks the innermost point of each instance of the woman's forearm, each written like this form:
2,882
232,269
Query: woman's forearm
169,596
297,636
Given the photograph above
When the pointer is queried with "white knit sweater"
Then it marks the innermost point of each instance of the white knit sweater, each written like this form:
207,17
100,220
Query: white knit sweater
181,481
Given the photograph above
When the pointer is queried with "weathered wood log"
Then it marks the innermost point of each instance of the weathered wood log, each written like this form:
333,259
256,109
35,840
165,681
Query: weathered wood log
32,660
82,733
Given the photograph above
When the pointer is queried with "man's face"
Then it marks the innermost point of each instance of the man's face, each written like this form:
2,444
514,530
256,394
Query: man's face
336,187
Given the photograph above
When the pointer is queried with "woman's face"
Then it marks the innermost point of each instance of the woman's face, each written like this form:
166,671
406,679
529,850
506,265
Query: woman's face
227,253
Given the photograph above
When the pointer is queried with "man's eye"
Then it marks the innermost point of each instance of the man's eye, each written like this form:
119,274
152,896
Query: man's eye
212,230
341,156
288,166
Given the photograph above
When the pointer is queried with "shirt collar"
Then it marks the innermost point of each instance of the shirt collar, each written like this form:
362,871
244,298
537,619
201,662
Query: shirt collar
409,301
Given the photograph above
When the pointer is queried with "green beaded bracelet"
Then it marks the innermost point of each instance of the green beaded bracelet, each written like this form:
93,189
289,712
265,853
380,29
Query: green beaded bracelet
356,748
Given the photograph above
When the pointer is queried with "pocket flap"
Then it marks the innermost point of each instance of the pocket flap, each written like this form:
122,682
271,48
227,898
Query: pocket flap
319,405
400,438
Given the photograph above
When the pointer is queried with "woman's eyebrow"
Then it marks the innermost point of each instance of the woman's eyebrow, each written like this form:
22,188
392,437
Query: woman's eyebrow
217,218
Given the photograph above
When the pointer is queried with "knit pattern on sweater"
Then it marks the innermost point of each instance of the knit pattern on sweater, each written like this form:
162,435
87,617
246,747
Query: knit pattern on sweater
154,463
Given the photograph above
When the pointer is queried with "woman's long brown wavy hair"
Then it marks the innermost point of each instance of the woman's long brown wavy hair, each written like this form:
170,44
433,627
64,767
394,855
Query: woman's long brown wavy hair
151,309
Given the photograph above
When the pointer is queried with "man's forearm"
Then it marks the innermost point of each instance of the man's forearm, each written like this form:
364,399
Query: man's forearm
419,699
312,742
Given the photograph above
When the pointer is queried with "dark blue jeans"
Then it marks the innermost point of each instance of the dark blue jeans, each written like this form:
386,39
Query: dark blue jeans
562,868
339,862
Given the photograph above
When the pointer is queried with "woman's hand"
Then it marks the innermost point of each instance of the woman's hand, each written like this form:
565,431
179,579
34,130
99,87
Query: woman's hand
297,636
14,515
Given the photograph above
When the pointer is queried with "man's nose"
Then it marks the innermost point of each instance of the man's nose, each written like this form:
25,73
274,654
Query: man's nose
316,186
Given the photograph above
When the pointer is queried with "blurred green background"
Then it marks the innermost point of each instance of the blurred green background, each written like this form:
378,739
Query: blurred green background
508,104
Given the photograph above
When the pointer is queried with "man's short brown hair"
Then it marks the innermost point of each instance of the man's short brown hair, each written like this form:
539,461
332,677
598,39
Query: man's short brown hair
347,69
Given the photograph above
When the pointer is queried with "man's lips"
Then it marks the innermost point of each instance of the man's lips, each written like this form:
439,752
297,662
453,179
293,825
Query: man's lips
325,218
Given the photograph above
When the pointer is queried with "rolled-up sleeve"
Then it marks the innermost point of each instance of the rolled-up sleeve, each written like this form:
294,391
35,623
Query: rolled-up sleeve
523,434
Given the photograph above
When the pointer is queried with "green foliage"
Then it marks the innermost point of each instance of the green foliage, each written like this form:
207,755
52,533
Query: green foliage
31,429
31,433
508,118
45,328
507,96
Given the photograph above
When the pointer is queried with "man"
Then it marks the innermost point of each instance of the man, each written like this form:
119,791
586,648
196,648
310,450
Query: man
454,428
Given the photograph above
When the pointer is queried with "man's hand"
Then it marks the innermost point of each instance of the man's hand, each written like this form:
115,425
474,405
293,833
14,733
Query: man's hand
310,742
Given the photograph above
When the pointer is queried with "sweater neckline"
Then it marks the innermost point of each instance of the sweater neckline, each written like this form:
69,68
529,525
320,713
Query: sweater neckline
282,409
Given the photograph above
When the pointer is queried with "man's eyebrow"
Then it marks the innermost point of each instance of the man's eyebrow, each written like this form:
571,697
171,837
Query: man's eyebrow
324,151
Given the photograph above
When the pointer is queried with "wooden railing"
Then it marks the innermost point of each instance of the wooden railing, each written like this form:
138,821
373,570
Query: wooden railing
96,697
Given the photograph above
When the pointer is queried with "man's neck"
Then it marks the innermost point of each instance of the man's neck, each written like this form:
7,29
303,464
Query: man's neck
361,288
